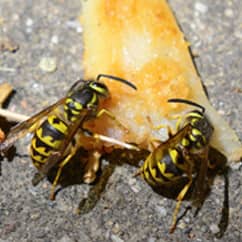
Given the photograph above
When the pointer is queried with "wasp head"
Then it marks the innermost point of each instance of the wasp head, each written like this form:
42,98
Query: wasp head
99,88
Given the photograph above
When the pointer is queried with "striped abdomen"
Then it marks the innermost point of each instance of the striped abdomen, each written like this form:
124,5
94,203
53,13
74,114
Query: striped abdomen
47,138
163,165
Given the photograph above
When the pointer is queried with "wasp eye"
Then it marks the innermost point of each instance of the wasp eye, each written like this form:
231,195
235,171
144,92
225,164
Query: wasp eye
99,88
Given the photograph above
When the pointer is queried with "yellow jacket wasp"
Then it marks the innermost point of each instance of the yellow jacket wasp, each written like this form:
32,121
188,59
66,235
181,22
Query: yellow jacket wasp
58,127
184,156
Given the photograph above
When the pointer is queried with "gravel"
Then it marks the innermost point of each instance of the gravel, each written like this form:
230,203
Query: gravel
42,59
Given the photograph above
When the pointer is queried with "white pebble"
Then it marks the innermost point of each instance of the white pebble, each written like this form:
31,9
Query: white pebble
229,12
214,228
115,238
134,185
74,25
48,64
55,39
200,7
29,22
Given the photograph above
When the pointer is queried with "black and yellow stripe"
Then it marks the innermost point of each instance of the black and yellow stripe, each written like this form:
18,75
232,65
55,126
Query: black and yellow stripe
163,166
48,137
201,131
77,101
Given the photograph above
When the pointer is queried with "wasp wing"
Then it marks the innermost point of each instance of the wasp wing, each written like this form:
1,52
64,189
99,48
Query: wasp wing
57,156
201,184
165,145
27,126
79,83
177,137
211,163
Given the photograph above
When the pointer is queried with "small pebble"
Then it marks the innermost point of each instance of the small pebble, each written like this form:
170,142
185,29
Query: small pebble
181,225
9,228
1,21
204,228
116,229
15,17
221,112
110,223
45,185
55,39
229,13
134,185
66,238
209,82
235,165
238,34
74,25
29,22
200,7
161,210
48,64
151,239
115,238
35,216
214,228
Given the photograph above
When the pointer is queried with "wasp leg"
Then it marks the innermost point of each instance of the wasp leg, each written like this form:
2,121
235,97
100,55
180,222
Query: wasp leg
139,172
103,138
38,177
161,126
153,144
92,167
178,122
87,204
180,197
224,220
110,115
169,129
61,165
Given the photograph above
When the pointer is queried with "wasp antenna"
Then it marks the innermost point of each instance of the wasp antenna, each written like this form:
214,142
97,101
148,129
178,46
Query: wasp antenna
117,79
180,100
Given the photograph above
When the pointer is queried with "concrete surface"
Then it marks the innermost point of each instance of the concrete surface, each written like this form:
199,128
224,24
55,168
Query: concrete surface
128,209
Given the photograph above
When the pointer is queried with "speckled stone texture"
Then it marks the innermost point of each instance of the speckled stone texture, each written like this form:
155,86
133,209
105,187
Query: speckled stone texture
47,62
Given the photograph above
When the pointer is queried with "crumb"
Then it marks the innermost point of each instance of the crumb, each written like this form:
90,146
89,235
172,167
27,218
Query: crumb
2,135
